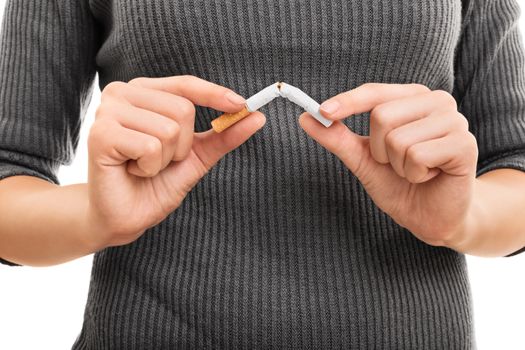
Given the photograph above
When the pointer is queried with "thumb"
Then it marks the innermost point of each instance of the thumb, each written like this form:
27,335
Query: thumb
346,145
211,146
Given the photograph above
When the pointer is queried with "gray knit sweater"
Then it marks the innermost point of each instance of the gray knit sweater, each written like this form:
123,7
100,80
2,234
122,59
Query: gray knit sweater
278,246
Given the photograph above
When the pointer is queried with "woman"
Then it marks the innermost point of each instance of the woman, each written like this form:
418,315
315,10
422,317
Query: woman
279,244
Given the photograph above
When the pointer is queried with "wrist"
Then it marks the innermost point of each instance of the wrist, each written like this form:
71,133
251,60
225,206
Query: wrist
105,231
469,234
96,238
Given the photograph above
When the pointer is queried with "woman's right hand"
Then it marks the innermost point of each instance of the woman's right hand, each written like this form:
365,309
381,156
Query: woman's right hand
144,156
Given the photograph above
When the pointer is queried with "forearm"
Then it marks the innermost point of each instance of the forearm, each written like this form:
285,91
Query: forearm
44,224
497,220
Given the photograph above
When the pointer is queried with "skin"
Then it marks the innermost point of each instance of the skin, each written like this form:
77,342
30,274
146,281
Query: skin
144,157
418,165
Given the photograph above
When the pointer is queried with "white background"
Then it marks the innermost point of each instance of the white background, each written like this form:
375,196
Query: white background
42,308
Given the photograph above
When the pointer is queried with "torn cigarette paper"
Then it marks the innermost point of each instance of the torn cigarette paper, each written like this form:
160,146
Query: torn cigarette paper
264,97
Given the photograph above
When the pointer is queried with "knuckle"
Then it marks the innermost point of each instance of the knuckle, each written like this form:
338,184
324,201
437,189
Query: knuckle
170,131
346,98
186,109
392,138
186,77
139,81
420,87
369,86
115,88
472,138
463,122
415,155
395,141
370,89
472,144
152,147
445,98
379,117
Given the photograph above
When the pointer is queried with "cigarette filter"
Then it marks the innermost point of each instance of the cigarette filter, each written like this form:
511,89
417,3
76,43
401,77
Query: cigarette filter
228,119
264,97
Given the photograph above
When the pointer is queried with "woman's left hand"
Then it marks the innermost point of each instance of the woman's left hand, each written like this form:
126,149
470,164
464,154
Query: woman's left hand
418,164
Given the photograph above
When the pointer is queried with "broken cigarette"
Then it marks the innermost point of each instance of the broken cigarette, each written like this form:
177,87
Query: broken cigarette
228,119
264,97
300,98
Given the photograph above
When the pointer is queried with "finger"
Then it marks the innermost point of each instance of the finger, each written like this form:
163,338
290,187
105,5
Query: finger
365,97
455,154
198,91
211,146
436,125
172,106
391,115
147,122
338,139
113,145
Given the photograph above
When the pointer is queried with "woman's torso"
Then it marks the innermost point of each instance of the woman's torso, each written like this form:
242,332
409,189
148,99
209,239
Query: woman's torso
279,245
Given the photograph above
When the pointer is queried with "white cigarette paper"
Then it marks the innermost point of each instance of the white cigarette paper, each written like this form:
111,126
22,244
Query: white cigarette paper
267,95
300,98
291,93
263,97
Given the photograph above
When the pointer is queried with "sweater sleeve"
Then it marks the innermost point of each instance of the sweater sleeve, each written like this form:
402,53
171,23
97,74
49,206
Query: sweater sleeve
47,68
490,82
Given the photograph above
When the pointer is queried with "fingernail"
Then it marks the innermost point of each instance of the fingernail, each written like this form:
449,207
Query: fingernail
330,107
235,99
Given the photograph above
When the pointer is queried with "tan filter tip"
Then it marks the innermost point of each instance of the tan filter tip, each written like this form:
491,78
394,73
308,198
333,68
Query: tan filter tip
226,120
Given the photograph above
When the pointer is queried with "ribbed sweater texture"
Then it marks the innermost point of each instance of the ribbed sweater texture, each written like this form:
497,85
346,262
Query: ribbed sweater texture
278,246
